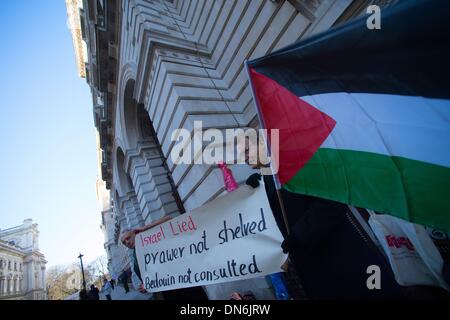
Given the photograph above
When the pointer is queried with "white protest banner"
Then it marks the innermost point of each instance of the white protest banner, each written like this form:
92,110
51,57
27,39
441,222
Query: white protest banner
232,238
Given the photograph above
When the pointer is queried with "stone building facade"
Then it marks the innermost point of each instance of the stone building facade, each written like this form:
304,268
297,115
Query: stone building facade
117,254
22,265
157,65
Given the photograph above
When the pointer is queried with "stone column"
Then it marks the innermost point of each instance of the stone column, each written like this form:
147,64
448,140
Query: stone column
43,284
4,286
9,288
28,274
36,280
37,276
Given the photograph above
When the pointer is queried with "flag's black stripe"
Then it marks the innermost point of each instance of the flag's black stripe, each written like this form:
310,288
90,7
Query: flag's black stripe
410,55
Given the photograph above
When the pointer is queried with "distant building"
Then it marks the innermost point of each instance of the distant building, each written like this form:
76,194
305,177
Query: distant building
22,265
75,279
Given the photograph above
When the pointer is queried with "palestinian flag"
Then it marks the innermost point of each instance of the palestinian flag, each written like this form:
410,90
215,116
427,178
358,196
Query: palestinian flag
364,115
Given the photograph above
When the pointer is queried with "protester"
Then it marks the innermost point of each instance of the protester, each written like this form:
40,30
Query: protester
123,278
328,253
128,239
106,289
93,293
83,294
113,280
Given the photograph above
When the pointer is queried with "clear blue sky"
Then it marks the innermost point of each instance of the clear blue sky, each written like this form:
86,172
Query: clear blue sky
48,164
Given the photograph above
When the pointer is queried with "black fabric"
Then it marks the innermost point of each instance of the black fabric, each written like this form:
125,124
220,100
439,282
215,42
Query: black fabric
253,180
288,244
446,267
329,255
136,266
407,56
83,295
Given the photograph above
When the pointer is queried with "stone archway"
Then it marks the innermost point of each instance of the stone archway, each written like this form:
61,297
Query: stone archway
145,164
131,128
126,202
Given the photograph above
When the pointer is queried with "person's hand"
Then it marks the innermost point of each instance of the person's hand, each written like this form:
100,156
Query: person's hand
142,289
235,296
253,180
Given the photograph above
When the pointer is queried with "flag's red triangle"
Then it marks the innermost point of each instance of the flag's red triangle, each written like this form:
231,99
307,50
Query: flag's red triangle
302,127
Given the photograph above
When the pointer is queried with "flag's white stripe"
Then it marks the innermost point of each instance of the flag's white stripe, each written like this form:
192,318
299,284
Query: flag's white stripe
407,126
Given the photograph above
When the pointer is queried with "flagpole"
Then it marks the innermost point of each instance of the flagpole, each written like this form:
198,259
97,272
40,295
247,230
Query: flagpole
261,123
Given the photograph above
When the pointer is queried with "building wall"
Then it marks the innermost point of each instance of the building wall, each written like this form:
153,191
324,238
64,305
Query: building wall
116,253
22,266
185,63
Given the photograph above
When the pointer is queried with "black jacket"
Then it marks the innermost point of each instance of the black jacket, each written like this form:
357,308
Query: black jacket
328,248
93,294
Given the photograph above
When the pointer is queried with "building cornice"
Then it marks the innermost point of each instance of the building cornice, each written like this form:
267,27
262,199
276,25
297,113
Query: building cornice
73,14
16,250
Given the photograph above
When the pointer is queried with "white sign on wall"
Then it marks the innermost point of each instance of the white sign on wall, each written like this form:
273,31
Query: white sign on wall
232,238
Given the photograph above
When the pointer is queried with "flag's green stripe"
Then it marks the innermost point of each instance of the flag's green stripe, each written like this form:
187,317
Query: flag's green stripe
409,189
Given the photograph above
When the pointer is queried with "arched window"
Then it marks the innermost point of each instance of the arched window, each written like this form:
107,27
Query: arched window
138,126
130,115
124,179
139,129
144,123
